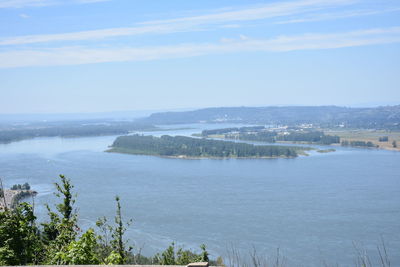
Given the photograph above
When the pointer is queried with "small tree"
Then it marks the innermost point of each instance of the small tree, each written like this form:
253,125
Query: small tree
118,242
104,248
181,257
62,228
81,252
114,250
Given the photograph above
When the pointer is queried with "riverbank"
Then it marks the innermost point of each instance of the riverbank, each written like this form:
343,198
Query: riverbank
133,152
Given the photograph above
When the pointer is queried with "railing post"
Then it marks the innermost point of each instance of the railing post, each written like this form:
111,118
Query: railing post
198,264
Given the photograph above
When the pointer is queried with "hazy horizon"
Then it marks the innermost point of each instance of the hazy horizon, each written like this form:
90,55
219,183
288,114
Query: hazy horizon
126,114
171,109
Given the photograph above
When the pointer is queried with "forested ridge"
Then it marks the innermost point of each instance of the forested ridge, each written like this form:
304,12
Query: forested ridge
387,117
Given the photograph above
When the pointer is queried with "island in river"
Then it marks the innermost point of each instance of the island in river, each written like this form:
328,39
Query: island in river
188,147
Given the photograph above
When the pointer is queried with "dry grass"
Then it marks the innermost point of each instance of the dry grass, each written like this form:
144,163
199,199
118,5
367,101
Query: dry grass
362,258
368,135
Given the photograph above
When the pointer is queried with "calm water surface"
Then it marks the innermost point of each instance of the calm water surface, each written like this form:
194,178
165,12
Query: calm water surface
313,208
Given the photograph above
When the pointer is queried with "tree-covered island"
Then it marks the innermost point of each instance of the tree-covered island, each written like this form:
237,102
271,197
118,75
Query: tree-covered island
188,147
272,135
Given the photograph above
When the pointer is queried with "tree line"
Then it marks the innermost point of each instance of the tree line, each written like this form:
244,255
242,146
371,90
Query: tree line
24,186
358,143
310,136
74,130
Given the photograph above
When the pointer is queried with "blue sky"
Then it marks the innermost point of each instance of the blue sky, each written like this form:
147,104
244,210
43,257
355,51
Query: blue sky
96,55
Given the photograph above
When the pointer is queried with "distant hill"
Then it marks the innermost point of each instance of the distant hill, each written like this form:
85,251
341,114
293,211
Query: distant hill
387,117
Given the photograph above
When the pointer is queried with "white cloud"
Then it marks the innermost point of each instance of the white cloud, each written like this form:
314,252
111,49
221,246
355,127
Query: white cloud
278,9
24,16
82,55
243,37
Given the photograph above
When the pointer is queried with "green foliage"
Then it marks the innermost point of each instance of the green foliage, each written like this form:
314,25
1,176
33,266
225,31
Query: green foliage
114,259
80,252
358,143
24,186
204,254
19,237
104,239
64,190
62,228
171,256
118,243
112,248
310,136
168,256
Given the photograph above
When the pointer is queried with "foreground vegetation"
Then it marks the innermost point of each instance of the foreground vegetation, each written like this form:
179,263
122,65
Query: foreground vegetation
182,146
60,241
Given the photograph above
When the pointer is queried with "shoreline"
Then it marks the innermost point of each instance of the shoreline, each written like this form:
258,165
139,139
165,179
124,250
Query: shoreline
386,148
195,158
12,197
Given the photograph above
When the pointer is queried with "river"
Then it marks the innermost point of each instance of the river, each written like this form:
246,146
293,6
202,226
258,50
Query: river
315,209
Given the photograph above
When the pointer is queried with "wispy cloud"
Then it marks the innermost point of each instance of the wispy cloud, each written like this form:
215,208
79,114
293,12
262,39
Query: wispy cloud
38,3
82,55
337,15
222,19
94,35
24,16
23,3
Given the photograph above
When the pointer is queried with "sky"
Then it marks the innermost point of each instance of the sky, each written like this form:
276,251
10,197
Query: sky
74,56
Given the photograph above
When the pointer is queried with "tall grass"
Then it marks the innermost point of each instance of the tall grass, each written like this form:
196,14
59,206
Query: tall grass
362,258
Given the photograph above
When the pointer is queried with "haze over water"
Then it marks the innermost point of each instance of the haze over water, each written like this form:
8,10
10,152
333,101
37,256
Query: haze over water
313,208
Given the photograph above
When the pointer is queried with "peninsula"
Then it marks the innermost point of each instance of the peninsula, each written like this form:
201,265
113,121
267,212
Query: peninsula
9,198
188,147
